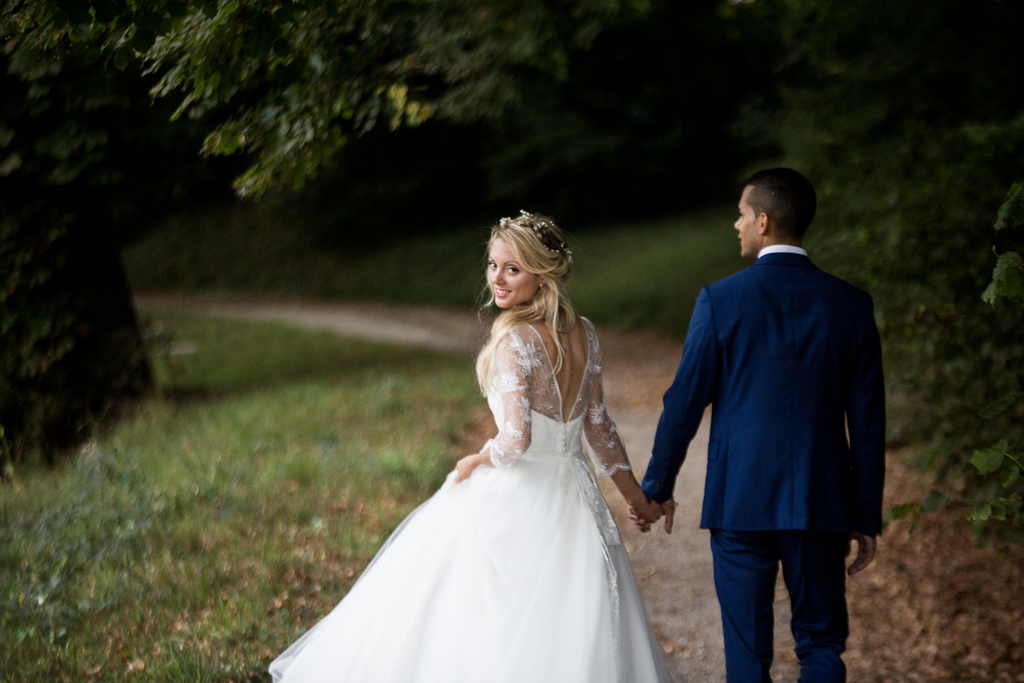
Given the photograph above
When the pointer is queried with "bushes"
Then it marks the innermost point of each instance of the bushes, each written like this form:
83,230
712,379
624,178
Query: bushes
1001,466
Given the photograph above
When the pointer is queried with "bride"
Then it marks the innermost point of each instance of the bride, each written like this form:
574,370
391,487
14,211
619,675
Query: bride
514,571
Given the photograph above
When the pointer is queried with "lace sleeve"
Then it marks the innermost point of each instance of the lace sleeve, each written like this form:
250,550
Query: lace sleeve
515,361
606,449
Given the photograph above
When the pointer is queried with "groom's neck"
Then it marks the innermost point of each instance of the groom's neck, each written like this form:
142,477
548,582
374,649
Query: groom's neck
771,241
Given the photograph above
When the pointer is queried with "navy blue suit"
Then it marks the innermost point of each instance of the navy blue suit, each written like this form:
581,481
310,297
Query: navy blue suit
788,356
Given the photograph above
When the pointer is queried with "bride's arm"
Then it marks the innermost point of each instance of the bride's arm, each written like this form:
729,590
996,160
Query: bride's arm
514,363
607,451
647,510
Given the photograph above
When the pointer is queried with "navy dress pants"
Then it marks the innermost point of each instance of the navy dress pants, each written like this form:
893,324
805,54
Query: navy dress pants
813,567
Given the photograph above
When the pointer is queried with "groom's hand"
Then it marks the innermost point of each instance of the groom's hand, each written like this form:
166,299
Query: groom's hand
644,514
669,508
865,551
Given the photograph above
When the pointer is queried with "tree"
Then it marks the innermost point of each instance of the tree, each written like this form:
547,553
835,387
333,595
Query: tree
81,152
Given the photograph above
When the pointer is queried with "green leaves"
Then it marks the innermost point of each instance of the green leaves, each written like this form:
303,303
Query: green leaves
982,514
227,139
902,511
1007,283
1000,509
274,72
1011,213
280,70
989,460
1008,275
1008,509
935,501
1007,280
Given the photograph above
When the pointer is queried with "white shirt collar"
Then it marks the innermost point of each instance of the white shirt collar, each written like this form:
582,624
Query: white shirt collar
782,249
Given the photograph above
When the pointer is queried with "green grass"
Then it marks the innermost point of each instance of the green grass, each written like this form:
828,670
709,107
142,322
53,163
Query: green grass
649,275
627,275
210,529
281,249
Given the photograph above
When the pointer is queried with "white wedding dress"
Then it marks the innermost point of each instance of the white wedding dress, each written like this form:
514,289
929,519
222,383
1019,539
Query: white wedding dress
516,575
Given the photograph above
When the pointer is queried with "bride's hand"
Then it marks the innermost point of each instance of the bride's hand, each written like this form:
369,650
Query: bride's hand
645,513
465,467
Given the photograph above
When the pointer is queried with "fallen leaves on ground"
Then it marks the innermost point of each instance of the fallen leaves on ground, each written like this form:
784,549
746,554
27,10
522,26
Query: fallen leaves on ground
935,607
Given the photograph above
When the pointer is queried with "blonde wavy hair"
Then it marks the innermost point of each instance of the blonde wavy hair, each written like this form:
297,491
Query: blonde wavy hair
539,246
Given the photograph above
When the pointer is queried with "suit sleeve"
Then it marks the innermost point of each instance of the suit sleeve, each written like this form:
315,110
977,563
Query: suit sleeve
684,403
865,414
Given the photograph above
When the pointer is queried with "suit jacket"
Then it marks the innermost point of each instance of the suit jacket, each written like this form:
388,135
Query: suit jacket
788,356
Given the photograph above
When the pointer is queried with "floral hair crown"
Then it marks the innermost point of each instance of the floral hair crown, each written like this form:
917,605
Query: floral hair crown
541,230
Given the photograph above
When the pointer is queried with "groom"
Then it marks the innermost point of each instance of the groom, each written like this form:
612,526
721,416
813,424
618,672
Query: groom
790,360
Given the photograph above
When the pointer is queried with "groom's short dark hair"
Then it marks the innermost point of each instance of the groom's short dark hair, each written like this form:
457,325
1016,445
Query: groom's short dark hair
787,197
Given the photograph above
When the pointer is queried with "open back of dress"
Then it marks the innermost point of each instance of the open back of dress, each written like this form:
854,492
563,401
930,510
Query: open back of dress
525,383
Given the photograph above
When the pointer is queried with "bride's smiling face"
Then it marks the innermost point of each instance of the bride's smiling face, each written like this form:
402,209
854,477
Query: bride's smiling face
510,283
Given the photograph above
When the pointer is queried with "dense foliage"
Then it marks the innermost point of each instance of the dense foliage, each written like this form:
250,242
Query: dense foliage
908,119
296,79
1005,503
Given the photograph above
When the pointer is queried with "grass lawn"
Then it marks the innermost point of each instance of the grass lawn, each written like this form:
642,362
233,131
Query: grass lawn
648,275
210,529
627,275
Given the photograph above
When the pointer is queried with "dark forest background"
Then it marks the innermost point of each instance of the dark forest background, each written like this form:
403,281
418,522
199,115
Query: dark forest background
395,120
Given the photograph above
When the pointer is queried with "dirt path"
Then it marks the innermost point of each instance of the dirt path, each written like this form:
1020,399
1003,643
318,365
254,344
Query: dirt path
437,329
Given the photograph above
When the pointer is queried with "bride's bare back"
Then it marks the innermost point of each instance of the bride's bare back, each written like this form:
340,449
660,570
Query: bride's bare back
575,355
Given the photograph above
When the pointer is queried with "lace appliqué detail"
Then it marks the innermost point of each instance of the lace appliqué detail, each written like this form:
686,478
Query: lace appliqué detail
607,453
516,362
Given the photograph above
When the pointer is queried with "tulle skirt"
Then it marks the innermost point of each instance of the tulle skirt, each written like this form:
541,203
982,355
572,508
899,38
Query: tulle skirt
503,578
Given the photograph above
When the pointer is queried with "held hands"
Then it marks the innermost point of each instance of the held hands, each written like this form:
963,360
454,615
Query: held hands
644,514
466,466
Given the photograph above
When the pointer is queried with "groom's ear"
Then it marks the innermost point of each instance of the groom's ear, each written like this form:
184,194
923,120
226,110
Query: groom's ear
763,223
